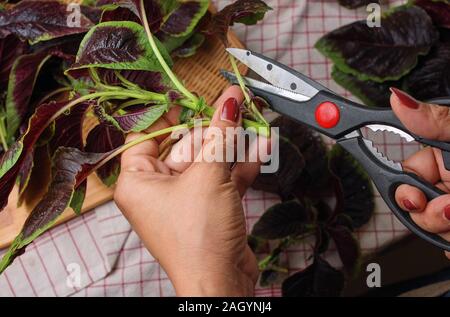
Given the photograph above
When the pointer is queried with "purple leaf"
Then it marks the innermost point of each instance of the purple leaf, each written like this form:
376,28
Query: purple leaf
347,246
184,18
353,4
438,10
69,133
151,81
40,21
431,79
381,53
20,88
137,120
127,10
371,93
105,138
355,193
319,279
13,159
119,45
303,162
248,12
70,168
282,220
69,129
10,48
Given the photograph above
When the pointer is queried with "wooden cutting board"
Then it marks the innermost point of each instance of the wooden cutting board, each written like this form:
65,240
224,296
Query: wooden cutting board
200,73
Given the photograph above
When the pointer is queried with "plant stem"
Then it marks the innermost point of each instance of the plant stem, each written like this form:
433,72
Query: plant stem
146,137
160,58
125,93
254,110
3,134
283,245
239,78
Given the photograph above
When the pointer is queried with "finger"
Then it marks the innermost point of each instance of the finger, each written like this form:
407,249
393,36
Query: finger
447,254
436,216
186,150
425,164
172,117
139,157
244,173
410,198
193,142
426,120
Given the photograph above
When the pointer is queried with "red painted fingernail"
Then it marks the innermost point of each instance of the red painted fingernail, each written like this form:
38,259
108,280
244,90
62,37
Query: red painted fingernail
230,110
409,205
405,99
447,212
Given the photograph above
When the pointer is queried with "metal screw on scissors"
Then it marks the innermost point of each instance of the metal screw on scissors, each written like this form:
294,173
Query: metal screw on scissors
294,95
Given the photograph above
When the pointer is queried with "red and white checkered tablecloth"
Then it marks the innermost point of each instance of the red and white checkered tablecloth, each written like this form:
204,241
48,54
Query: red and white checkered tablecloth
109,256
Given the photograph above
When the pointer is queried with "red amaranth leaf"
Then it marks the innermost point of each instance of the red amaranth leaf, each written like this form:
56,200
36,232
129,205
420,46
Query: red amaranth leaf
70,168
185,17
248,12
104,138
13,159
40,20
438,10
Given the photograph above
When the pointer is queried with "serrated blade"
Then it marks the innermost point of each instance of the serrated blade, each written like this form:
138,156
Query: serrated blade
381,157
381,127
265,87
273,72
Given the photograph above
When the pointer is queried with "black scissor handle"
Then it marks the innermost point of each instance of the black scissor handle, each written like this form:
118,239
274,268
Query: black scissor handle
352,116
387,180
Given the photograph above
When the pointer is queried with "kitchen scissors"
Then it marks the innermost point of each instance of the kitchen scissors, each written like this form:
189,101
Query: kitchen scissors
302,99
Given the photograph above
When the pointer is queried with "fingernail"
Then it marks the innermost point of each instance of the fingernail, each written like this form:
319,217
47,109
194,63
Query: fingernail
230,110
409,205
447,212
405,99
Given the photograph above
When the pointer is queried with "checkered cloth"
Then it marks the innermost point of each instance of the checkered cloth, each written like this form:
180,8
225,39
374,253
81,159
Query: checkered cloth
109,256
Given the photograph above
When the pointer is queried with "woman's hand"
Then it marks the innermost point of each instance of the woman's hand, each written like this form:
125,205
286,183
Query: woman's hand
431,122
190,215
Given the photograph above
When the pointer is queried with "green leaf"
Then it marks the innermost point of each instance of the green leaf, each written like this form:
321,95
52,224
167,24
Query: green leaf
119,45
381,53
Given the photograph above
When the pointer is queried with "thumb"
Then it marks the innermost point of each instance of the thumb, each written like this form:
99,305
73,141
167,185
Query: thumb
426,120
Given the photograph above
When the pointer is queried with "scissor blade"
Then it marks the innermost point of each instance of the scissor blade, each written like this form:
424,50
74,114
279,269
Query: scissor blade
252,83
274,72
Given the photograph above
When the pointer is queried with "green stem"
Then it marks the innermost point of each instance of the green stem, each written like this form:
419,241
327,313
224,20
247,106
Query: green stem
146,137
3,134
95,95
283,245
254,110
240,79
160,58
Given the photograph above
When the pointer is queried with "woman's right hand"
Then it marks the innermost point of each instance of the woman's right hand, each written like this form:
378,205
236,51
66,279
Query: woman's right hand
431,122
